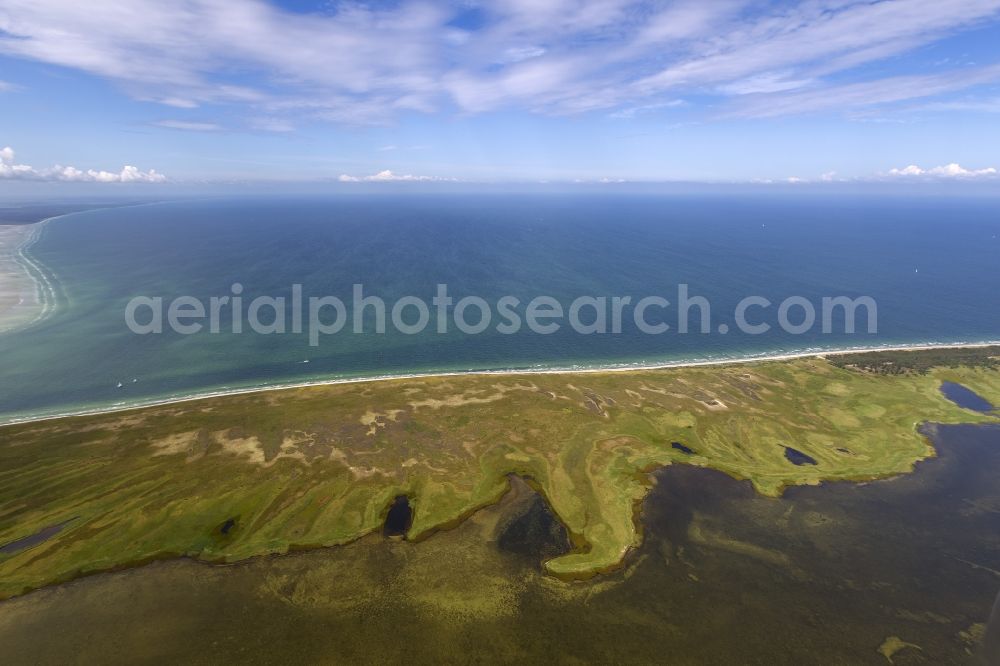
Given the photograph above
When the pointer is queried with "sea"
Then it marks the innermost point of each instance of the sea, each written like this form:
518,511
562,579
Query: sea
930,265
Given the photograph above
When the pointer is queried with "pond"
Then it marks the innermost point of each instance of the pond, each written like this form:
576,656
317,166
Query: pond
796,457
399,518
965,398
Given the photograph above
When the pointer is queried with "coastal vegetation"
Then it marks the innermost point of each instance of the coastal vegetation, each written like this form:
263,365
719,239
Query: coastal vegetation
895,362
228,478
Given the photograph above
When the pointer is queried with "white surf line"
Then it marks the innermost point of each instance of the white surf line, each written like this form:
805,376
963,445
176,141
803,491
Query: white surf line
44,279
45,290
742,360
21,269
46,282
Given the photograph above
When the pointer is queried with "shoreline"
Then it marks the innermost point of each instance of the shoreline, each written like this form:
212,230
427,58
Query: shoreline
45,283
765,358
20,274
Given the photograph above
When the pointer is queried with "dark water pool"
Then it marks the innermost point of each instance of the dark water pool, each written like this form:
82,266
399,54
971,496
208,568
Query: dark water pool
796,457
682,448
399,518
964,397
35,539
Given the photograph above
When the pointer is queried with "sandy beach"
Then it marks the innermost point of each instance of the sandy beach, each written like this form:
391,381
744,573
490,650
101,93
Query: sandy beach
21,300
812,353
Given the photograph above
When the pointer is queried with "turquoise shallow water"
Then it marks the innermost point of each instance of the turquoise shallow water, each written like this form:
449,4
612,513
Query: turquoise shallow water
930,264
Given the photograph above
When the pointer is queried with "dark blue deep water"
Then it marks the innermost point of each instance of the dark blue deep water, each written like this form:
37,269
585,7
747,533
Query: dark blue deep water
930,264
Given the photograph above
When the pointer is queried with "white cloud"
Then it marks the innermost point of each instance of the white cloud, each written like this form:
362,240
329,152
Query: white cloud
519,53
953,170
865,94
632,111
823,37
271,125
689,19
987,105
768,82
6,87
176,102
948,172
388,176
188,125
912,170
128,174
131,174
363,63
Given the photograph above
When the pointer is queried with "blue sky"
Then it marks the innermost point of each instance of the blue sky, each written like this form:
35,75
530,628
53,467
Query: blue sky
508,90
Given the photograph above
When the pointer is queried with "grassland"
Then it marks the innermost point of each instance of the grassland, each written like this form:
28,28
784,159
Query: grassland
228,478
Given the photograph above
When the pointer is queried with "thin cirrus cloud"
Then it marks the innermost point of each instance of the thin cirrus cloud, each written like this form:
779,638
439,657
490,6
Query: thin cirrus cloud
368,63
10,169
865,94
190,126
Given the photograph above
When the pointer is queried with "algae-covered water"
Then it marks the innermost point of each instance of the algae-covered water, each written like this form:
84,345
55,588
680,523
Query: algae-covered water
838,574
